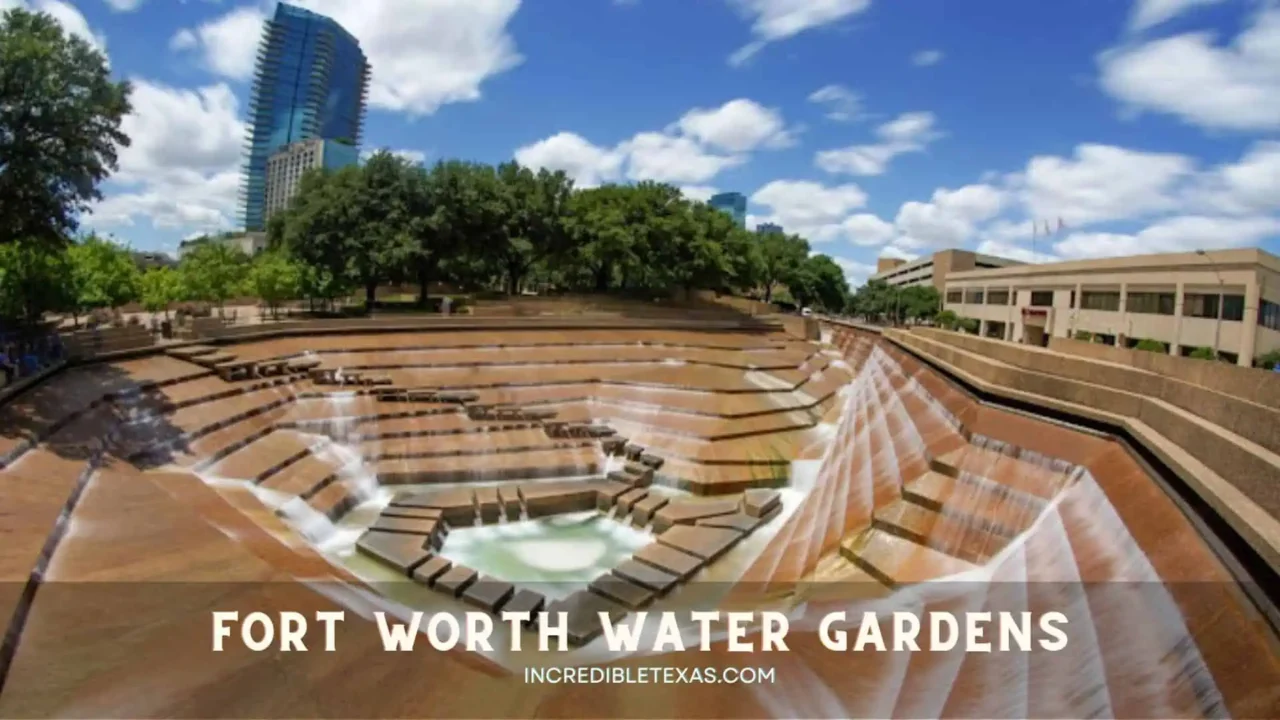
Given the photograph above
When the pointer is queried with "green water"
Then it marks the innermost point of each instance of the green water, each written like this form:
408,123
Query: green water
554,555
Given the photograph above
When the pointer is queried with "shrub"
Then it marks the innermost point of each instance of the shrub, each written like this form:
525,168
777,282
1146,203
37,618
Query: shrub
969,325
946,319
1203,353
1149,345
1084,335
1268,361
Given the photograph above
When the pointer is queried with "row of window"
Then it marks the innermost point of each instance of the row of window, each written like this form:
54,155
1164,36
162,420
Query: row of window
1148,303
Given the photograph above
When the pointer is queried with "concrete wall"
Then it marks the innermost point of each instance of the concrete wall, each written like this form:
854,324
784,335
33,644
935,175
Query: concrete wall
1256,386
1190,417
85,344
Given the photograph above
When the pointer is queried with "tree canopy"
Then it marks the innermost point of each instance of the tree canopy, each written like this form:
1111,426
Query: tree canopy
509,227
60,116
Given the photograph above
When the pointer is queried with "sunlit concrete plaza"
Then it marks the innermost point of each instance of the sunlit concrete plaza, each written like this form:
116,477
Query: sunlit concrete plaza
596,463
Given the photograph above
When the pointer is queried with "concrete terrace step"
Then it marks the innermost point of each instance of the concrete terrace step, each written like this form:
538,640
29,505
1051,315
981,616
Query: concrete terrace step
897,561
264,457
533,464
994,507
303,477
944,533
479,445
1003,469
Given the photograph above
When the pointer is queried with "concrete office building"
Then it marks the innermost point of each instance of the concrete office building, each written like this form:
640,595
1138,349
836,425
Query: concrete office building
286,166
1228,300
733,204
933,269
310,82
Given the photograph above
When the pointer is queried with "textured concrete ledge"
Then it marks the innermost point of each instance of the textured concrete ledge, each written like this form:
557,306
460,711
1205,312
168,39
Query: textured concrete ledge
1238,479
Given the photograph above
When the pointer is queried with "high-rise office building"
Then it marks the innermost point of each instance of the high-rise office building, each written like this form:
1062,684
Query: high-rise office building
311,82
733,203
767,228
286,166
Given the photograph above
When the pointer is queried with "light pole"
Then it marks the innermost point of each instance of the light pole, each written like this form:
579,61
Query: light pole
1217,324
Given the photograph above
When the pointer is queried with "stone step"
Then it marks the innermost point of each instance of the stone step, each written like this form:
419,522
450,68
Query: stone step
994,507
896,561
946,533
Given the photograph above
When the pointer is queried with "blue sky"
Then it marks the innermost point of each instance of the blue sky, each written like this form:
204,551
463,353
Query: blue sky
871,127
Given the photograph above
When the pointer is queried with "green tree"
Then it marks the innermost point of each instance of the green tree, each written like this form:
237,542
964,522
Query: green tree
819,281
1268,360
103,275
60,116
1149,345
275,278
160,287
214,272
920,302
947,320
33,281
781,255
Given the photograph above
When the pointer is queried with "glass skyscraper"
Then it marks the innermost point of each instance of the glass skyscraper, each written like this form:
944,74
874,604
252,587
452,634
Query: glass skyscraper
310,82
733,203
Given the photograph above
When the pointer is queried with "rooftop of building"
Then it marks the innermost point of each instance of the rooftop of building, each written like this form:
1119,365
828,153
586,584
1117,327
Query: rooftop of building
905,265
1159,261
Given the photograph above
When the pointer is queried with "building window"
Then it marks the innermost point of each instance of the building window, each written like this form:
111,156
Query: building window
1041,298
1269,315
955,296
1109,301
1233,307
1201,306
998,297
1150,303
973,297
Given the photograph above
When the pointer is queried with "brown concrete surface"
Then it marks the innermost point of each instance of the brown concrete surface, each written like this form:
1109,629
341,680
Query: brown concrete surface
920,482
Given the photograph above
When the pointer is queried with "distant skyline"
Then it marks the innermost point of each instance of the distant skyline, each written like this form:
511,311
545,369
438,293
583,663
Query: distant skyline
867,126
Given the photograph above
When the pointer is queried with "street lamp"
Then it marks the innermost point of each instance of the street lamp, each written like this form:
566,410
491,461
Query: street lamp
1217,325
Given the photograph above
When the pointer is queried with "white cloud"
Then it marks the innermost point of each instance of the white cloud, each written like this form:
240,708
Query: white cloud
588,164
416,157
1015,252
1178,234
228,44
843,104
66,15
182,169
691,151
773,20
737,126
950,219
811,210
909,132
424,53
1231,87
855,272
1149,13
124,5
1101,183
701,193
672,159
1249,186
867,229
898,253
925,58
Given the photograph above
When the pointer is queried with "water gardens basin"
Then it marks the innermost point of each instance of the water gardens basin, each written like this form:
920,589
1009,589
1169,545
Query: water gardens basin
631,466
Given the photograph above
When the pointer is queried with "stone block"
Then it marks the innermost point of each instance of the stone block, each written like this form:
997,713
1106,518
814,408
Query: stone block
407,526
757,503
622,591
455,580
700,541
608,492
678,563
685,512
660,581
642,512
489,505
524,600
627,500
429,571
403,552
583,610
488,594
